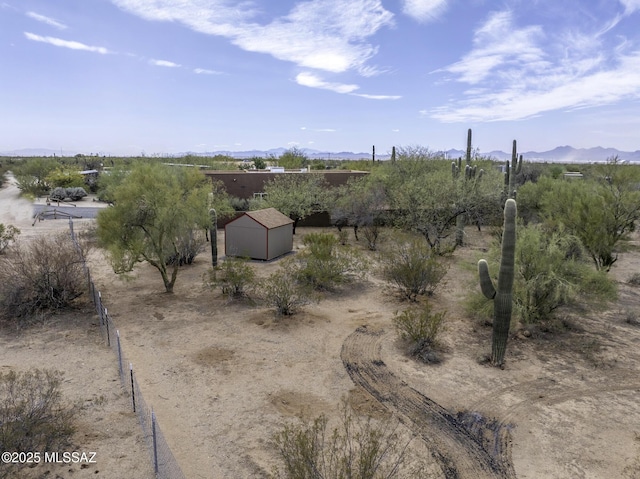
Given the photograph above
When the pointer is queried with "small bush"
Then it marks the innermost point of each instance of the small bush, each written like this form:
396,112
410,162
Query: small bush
33,416
8,234
234,276
189,246
422,327
283,290
412,268
357,449
73,193
45,274
324,264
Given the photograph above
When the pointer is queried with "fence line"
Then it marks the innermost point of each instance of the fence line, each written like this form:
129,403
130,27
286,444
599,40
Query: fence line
163,460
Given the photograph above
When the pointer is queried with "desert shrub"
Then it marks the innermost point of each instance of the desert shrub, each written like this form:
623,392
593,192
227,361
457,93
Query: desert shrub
45,274
412,268
33,415
283,290
65,178
189,245
75,193
422,327
356,448
371,233
551,272
324,264
234,276
8,235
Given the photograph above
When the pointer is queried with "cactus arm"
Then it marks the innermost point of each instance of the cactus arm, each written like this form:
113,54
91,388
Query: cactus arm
454,170
486,284
519,167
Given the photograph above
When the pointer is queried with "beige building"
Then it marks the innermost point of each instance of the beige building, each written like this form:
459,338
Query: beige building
261,234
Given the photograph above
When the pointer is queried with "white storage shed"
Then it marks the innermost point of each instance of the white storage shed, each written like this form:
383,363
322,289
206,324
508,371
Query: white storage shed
261,234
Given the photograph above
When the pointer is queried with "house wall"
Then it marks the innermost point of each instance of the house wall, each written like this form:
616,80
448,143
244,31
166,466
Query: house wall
245,237
243,184
280,241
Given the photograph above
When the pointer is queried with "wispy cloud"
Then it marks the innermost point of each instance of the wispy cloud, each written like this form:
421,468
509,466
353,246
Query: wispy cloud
630,6
517,73
329,35
498,43
47,20
325,130
164,63
204,71
73,45
424,10
314,81
378,97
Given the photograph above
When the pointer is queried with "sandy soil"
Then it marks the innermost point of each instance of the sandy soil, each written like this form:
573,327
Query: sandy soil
71,343
223,377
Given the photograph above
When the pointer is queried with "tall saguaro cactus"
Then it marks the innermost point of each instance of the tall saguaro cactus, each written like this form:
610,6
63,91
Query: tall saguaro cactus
373,154
393,154
512,170
470,174
213,234
502,296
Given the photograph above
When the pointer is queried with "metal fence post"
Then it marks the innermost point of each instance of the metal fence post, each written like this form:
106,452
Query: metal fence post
133,390
155,442
106,322
119,353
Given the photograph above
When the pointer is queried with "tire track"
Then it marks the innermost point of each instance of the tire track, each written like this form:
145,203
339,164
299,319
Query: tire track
465,445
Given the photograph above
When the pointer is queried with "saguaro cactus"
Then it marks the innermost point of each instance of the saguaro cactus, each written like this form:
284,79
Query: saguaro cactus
502,296
213,234
393,154
511,171
470,174
373,154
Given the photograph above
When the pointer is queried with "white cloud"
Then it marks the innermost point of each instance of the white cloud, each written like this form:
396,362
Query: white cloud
424,10
47,20
518,73
497,43
378,97
630,6
313,81
327,35
164,63
66,43
556,91
204,71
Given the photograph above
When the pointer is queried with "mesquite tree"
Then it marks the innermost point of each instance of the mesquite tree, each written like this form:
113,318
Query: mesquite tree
502,296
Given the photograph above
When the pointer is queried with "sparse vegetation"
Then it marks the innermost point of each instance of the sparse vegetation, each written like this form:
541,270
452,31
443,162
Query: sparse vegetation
33,414
421,326
234,276
356,448
45,274
283,290
325,264
412,267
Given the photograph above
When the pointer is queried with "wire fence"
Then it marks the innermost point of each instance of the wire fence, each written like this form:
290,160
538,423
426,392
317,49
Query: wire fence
164,463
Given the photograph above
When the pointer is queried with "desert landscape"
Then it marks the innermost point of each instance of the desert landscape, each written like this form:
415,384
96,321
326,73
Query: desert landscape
224,376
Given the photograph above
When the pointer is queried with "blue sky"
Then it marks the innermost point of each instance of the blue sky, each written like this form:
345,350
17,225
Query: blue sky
167,76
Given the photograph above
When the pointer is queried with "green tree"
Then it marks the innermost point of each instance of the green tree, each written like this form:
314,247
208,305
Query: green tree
293,158
65,178
156,208
296,195
31,175
601,211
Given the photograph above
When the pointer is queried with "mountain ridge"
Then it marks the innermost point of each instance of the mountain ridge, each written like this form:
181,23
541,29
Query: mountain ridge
564,153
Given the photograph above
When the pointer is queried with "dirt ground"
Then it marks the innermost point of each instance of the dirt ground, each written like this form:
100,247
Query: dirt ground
223,377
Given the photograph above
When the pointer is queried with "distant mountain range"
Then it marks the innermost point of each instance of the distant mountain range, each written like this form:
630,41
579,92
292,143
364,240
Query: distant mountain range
562,154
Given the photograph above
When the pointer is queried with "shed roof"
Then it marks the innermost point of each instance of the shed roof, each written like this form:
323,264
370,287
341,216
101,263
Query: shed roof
269,218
